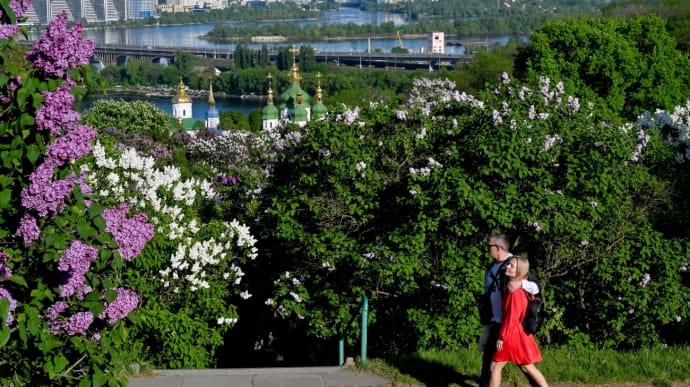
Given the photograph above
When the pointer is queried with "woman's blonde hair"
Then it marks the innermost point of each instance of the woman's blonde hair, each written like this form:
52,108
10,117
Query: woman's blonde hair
521,267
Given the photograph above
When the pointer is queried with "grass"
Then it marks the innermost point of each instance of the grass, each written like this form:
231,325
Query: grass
649,366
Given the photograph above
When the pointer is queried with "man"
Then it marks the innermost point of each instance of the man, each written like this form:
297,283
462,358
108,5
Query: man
499,249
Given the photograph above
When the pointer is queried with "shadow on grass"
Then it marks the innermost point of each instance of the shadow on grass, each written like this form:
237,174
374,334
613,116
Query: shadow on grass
433,374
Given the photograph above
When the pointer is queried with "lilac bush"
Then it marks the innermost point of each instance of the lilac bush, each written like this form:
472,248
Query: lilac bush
63,295
395,202
191,279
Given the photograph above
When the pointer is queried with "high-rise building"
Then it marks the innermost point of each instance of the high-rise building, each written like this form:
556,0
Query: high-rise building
91,11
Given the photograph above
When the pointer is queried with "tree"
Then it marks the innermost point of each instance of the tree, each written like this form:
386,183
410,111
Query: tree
134,118
625,66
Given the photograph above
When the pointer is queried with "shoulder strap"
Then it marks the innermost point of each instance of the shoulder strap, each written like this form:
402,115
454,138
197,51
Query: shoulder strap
495,276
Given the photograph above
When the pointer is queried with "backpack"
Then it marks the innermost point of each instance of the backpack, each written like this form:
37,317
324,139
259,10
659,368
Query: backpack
535,313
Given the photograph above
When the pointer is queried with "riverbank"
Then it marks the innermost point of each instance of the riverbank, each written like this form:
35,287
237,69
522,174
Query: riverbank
165,93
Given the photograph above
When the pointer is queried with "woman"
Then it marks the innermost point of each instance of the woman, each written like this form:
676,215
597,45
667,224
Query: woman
514,345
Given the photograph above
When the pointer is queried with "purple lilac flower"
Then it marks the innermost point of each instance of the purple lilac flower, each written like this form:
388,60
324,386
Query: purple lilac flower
80,180
54,311
28,229
60,49
130,234
13,83
56,114
9,29
73,145
44,195
19,7
76,261
228,180
78,324
5,271
13,305
125,302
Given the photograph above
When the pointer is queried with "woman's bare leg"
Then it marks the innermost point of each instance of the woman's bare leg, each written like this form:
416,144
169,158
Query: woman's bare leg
534,373
496,372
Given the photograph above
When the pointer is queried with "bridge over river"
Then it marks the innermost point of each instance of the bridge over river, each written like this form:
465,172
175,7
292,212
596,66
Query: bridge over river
110,55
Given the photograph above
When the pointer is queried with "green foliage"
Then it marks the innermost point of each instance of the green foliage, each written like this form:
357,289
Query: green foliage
395,203
135,117
675,12
626,67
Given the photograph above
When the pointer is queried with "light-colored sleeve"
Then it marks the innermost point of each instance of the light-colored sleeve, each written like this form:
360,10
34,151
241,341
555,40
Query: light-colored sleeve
530,287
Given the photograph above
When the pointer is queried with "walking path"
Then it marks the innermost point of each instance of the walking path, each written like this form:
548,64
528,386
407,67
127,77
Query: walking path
290,377
260,377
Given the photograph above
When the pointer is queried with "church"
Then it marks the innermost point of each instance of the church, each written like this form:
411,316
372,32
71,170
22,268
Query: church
294,102
294,106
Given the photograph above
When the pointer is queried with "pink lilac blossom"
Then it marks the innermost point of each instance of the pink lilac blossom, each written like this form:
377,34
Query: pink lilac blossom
60,49
73,145
130,234
56,114
5,271
28,229
76,261
44,195
13,305
125,302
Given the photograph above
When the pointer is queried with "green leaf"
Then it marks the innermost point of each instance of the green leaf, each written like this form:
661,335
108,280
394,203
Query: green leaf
27,120
4,335
5,198
60,362
99,378
18,279
33,152
4,309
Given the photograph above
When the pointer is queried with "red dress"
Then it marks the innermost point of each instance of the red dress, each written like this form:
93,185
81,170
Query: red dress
518,346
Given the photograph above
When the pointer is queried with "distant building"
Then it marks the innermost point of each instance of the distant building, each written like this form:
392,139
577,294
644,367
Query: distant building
212,115
92,11
436,42
294,102
182,109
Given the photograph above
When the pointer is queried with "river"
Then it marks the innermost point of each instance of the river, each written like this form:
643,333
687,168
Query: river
167,36
190,36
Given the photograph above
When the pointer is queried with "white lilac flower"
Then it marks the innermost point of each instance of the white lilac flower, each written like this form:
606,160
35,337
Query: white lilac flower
645,280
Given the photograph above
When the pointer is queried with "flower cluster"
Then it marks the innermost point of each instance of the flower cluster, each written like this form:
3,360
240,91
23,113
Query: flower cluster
5,273
135,180
130,234
60,49
675,126
8,29
192,259
75,262
125,302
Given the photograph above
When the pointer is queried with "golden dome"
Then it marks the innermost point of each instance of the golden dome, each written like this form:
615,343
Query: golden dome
181,96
